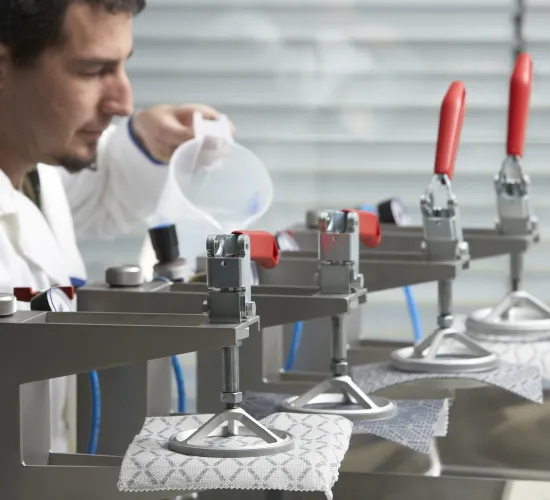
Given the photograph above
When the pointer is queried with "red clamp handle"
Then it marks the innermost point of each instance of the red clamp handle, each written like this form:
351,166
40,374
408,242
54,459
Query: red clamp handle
26,294
369,227
518,110
451,118
263,248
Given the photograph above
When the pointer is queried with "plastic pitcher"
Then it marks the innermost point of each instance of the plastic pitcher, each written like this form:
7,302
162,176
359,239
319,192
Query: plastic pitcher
215,185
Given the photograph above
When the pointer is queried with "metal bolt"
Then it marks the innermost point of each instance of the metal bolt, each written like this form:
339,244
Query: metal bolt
352,221
232,398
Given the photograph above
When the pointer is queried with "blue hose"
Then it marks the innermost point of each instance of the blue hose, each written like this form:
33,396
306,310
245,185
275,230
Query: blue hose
95,390
96,413
178,374
413,313
294,346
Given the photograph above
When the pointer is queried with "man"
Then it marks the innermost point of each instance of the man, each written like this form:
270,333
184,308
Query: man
62,81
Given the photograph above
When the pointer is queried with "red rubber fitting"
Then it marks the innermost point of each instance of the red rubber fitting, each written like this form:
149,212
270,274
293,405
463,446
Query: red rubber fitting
26,294
263,248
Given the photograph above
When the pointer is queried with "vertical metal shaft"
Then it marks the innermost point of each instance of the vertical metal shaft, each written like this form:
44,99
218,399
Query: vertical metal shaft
230,369
516,271
445,303
339,340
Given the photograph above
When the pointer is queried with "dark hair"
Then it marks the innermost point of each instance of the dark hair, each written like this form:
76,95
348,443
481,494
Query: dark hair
28,27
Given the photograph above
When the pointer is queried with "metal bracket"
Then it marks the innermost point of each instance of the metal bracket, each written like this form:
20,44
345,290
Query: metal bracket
229,276
443,239
339,252
512,191
31,339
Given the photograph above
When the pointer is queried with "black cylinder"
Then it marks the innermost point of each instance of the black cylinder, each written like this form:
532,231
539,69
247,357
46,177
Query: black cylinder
165,243
41,302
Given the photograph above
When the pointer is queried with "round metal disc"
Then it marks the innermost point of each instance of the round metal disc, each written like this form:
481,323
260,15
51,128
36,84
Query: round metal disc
123,276
455,361
177,443
523,323
336,404
8,304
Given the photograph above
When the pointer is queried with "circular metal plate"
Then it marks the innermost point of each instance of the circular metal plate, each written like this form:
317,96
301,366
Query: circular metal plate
455,361
522,323
8,304
232,446
336,404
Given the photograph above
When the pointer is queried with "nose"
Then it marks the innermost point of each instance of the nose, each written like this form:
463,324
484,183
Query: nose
118,100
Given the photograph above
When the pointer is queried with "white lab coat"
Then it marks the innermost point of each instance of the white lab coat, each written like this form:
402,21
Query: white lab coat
38,248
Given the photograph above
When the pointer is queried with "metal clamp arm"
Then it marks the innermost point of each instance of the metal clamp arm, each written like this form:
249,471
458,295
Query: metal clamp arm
443,238
340,234
511,183
229,274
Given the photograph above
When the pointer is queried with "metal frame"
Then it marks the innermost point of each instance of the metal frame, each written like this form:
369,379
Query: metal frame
483,242
31,355
276,304
381,270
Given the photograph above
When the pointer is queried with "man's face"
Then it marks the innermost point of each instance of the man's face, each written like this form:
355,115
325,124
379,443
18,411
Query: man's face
58,107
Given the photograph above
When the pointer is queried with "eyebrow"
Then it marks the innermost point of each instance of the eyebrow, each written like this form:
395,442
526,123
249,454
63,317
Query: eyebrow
101,61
